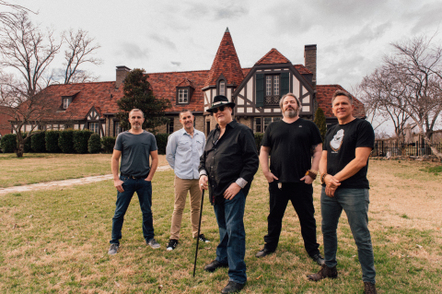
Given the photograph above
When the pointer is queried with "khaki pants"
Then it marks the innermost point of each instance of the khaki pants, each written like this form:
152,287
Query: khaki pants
181,188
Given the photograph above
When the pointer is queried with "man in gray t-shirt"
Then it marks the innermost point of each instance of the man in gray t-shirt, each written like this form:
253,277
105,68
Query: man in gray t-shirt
134,148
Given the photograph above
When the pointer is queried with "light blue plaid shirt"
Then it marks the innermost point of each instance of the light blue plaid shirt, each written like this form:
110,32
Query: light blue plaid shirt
183,153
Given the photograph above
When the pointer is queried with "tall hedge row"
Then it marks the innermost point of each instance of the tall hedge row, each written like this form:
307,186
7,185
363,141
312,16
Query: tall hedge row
66,141
108,144
84,141
94,143
38,142
51,139
80,140
9,143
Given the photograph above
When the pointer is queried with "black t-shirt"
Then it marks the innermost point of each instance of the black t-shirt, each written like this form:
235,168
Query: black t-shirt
341,142
291,144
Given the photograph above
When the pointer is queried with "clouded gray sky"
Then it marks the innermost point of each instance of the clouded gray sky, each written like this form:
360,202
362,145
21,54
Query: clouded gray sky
159,36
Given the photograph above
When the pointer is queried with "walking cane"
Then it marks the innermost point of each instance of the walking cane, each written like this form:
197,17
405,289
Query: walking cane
198,236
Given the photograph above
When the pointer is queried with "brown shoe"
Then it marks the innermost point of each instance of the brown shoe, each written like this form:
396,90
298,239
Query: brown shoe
325,272
370,288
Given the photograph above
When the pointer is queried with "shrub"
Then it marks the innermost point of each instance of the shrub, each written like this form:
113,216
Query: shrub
108,144
258,139
66,141
38,142
27,146
80,140
9,143
320,122
94,143
51,139
161,142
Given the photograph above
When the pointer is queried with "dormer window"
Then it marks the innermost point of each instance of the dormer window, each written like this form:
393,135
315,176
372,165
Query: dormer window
66,101
183,95
222,88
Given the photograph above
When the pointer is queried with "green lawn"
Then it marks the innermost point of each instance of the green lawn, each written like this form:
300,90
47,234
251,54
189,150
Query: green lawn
56,241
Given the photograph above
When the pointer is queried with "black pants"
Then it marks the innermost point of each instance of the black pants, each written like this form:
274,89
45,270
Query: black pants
301,196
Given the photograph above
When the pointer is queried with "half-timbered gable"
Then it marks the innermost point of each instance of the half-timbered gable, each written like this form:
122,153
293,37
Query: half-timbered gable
257,97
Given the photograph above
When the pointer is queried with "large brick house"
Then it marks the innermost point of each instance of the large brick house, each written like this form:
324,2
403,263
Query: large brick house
256,92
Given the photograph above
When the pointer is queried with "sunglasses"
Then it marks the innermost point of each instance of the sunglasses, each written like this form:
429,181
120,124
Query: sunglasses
221,108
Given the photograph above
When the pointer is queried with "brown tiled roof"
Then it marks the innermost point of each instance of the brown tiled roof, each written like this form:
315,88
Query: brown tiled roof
226,62
272,57
102,95
324,94
164,86
302,69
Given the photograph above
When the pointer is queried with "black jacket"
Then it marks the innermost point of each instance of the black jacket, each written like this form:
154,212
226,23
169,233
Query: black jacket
234,156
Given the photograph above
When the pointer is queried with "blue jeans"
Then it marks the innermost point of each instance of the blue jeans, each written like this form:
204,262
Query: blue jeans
355,204
232,246
144,192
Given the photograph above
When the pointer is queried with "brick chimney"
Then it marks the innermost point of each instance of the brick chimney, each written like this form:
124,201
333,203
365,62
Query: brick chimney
122,72
310,61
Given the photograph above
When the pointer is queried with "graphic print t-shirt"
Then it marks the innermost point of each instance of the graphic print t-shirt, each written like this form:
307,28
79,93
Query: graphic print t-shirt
341,142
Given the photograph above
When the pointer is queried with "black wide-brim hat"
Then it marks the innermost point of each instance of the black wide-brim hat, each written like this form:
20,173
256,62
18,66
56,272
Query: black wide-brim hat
220,100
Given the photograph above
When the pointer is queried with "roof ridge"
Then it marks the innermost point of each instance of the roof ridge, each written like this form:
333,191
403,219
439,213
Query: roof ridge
226,63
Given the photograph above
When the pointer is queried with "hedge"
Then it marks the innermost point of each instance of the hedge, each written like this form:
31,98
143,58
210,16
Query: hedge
94,143
51,139
38,142
9,143
108,144
81,139
161,142
258,139
66,141
27,146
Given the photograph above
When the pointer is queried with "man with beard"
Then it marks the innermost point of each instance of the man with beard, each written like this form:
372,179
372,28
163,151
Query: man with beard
289,143
134,147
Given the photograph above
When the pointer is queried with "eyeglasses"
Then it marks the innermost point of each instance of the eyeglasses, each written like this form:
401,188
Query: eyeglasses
221,108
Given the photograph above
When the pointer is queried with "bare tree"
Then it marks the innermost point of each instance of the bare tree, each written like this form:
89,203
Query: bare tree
8,16
26,54
409,86
379,106
80,50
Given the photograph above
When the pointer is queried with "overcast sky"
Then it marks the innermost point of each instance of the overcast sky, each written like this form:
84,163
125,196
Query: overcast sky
161,36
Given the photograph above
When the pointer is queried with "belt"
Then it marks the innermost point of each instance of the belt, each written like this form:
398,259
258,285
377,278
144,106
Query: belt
134,177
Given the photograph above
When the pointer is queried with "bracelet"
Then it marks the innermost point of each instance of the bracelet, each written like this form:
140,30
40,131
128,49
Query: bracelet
311,174
323,177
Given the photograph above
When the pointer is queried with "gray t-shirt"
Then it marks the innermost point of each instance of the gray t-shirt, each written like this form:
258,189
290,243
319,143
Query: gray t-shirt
135,152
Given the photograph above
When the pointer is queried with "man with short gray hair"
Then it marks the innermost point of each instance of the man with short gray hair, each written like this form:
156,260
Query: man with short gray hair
134,147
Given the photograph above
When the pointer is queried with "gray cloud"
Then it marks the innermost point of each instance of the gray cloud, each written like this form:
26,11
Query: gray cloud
199,10
133,51
175,63
163,41
426,18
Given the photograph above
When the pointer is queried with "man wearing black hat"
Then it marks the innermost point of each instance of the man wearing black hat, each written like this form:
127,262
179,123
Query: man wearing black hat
227,166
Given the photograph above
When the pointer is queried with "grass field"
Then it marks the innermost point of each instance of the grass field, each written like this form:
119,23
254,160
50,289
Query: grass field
56,241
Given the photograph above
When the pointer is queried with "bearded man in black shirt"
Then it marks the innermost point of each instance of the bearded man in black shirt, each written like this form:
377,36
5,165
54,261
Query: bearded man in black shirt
227,166
292,170
343,169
